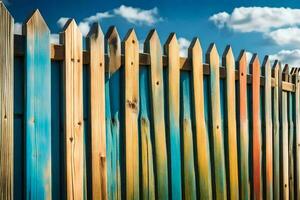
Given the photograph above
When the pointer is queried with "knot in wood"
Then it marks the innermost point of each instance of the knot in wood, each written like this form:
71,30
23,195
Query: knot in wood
132,105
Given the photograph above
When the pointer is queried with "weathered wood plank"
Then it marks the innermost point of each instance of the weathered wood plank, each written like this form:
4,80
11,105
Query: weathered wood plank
38,108
212,58
172,51
6,104
276,126
95,43
189,181
268,135
291,98
131,51
297,122
256,128
148,179
202,139
153,47
228,62
73,111
284,148
243,128
114,115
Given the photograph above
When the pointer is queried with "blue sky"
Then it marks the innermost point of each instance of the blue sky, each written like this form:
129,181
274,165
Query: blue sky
260,26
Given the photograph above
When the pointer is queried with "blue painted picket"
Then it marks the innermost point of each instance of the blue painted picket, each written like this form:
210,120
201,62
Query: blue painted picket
38,108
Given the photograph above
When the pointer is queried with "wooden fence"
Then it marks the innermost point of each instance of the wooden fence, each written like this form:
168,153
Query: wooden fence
112,123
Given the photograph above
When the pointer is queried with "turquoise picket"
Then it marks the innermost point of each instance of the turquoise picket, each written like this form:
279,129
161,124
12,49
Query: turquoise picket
38,108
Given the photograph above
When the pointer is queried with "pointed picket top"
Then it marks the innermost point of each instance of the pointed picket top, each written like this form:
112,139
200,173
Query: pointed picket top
95,31
242,59
171,43
285,73
212,56
254,63
131,37
195,50
228,58
37,21
3,9
266,66
113,49
276,66
152,41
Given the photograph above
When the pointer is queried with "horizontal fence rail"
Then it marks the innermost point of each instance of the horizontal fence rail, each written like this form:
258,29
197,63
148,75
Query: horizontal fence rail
111,122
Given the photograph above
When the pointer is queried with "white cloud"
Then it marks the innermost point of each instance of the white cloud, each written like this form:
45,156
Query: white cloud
291,57
84,27
248,57
62,21
18,28
285,36
54,38
138,15
257,19
183,46
98,16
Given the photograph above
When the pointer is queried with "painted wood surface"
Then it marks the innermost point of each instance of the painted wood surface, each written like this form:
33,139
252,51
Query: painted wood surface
212,58
291,113
153,47
233,183
97,113
268,134
6,104
147,147
201,132
114,115
276,126
131,104
189,181
256,128
38,108
243,128
297,122
73,111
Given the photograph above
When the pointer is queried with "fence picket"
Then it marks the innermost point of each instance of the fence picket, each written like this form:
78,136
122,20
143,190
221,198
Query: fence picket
187,138
228,62
73,111
212,58
38,108
243,130
202,138
114,115
95,43
284,147
256,128
291,96
268,135
131,51
6,104
276,125
153,47
297,121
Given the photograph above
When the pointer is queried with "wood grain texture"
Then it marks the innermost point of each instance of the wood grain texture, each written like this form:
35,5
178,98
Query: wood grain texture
291,111
284,148
268,135
147,147
297,122
114,115
212,58
6,104
228,62
243,128
131,51
172,51
276,137
202,138
189,181
153,47
38,108
95,43
73,111
256,128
